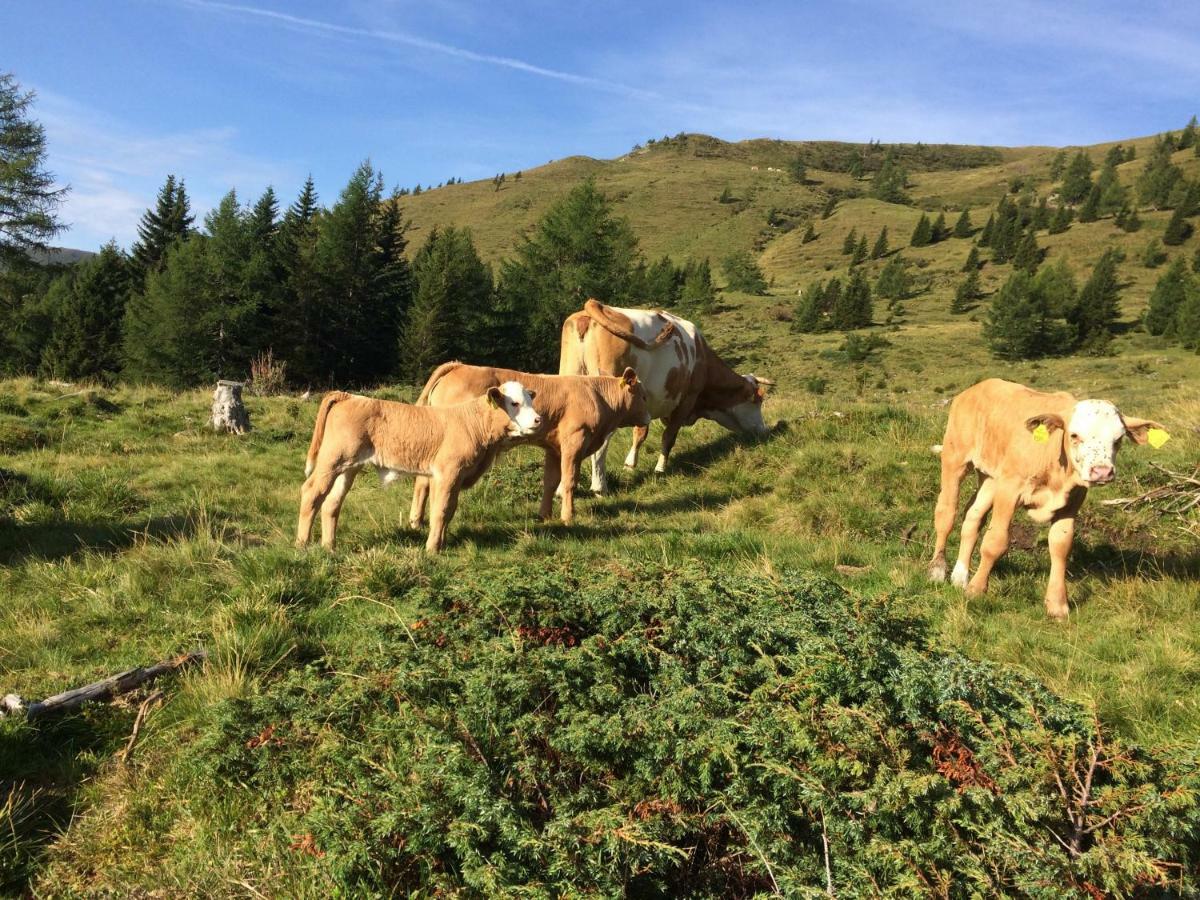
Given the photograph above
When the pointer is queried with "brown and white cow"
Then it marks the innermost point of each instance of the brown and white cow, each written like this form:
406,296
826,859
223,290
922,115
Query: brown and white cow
685,380
1040,452
451,446
578,414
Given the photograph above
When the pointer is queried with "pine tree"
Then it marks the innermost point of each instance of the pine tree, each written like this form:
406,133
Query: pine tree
1017,325
1090,210
1168,296
579,249
1159,177
939,232
1041,216
264,220
889,183
1111,194
797,170
962,227
972,261
1153,255
697,293
1058,165
830,206
852,308
1098,306
851,240
893,282
1057,293
1179,229
860,250
86,314
880,249
922,235
1077,180
159,229
1187,317
1028,255
742,273
985,236
810,315
967,293
1062,219
28,198
809,235
1187,137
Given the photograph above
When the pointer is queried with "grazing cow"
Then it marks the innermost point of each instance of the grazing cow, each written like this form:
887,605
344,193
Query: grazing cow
452,446
1037,451
685,380
579,413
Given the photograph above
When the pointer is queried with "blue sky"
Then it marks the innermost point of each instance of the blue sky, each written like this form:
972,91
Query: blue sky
230,94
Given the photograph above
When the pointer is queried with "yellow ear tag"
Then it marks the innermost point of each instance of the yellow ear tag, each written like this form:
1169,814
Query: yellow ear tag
1156,437
1041,434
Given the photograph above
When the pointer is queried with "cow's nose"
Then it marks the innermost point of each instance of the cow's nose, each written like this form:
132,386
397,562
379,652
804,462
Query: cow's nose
1101,474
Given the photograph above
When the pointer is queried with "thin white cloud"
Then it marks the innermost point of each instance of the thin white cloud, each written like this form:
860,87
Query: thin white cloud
411,40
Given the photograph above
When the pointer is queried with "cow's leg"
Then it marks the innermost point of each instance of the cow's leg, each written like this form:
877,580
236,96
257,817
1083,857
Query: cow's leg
416,514
1062,536
995,542
640,432
599,468
569,475
943,516
312,495
332,507
443,500
670,432
972,519
551,476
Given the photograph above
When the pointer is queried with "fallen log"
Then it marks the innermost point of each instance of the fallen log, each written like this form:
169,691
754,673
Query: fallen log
106,689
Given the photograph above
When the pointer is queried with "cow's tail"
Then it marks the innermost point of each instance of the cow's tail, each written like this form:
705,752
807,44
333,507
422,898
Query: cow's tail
319,428
600,314
438,374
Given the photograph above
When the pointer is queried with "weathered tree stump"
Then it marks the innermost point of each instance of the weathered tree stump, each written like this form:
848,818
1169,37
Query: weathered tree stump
228,412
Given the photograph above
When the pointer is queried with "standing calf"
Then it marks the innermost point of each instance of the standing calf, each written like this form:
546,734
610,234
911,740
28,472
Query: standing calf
1037,451
580,413
452,447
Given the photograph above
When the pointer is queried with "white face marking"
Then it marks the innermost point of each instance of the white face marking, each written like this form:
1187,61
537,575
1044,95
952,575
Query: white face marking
1093,436
745,416
518,403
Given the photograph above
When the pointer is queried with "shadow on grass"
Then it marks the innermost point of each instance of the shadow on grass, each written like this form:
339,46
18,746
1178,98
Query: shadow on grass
56,540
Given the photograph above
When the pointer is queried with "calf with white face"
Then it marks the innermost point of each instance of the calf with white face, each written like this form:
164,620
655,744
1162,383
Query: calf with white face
1031,450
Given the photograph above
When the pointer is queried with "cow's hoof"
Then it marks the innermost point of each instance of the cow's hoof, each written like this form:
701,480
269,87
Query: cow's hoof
937,572
630,466
959,576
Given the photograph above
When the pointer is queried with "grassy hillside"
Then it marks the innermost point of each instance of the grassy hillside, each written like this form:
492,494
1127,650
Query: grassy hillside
300,759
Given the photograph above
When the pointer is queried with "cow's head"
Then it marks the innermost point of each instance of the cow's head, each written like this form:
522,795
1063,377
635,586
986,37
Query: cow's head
1092,437
636,405
516,401
738,408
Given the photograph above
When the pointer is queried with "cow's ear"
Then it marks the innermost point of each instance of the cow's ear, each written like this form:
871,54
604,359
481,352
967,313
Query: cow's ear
1144,431
1041,426
629,377
532,394
495,397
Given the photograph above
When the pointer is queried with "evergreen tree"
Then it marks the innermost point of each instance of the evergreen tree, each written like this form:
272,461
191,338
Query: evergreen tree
1058,165
1098,306
1062,219
1016,323
852,308
86,312
1041,216
880,249
889,183
449,317
860,250
742,273
922,235
1028,255
1179,229
939,231
579,249
985,236
1187,318
697,293
1090,210
1159,177
850,242
28,198
797,170
967,293
1127,219
1077,180
830,206
169,221
972,261
1057,293
1153,255
1168,296
1187,137
893,282
962,227
264,220
1111,194
809,235
658,284
810,315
